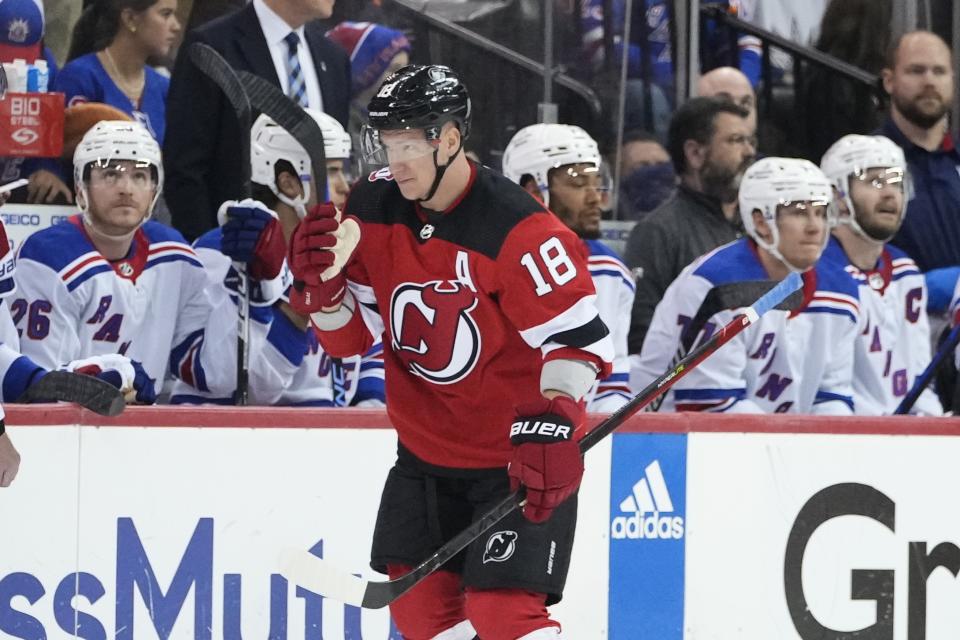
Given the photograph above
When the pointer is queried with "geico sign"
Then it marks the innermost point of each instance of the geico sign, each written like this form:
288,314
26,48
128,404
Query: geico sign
852,499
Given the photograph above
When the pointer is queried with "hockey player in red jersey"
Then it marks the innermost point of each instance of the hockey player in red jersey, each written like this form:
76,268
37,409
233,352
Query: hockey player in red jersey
491,338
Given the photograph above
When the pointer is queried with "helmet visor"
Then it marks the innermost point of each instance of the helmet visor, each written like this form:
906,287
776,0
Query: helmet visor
380,148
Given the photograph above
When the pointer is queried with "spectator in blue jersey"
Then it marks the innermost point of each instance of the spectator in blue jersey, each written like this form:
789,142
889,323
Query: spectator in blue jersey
919,79
112,43
21,36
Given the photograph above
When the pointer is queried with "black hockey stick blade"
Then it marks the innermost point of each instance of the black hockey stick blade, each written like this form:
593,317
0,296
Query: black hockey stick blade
268,99
323,578
731,296
725,297
213,65
87,391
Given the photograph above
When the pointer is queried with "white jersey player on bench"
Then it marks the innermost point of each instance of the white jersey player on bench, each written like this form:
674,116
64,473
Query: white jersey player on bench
798,361
111,281
295,371
869,175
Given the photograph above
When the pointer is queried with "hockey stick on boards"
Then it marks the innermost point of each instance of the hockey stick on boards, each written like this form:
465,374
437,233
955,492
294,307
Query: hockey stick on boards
212,65
89,392
319,576
949,345
724,297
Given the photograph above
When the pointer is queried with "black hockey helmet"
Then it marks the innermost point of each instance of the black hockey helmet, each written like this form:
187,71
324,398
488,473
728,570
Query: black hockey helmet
421,97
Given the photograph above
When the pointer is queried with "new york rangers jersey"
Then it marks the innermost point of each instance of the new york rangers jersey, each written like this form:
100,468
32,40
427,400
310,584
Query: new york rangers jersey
893,347
291,368
789,361
470,303
615,288
151,305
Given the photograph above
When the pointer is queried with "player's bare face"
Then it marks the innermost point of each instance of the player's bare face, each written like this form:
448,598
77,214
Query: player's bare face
120,195
921,83
158,27
576,195
730,152
410,158
878,198
803,230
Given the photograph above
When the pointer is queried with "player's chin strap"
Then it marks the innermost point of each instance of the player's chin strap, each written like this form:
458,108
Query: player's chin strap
440,171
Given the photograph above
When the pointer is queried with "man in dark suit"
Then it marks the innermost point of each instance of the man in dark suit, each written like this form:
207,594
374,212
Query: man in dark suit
278,40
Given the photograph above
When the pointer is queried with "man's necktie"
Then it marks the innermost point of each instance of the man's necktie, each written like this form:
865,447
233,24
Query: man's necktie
296,88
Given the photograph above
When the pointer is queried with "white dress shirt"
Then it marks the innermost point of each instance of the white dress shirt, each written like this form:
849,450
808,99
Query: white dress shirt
275,29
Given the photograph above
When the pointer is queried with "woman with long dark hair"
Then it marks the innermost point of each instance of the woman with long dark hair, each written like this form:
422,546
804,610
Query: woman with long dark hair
108,60
857,32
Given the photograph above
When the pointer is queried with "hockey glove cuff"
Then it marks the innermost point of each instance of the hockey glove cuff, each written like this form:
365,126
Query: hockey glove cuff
546,459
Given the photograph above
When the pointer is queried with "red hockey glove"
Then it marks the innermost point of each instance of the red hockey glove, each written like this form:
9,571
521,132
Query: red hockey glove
546,458
252,236
322,244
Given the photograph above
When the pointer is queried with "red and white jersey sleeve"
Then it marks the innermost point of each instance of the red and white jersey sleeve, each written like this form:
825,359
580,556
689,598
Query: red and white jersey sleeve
546,291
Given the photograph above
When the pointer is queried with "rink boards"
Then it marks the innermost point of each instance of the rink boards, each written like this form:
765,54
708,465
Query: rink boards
166,523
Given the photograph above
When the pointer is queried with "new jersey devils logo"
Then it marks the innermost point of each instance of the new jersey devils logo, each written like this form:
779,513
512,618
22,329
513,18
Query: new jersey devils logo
433,332
500,547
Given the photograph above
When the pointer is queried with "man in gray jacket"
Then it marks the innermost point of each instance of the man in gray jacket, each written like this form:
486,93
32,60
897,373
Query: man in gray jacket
711,144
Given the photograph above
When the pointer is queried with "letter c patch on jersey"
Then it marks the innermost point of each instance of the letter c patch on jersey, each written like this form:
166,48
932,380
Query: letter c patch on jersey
432,330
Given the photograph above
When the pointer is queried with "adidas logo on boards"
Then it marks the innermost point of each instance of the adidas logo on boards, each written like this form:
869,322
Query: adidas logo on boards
647,504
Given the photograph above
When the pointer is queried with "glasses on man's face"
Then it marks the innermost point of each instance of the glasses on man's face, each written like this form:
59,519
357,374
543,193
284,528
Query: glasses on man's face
138,175
883,178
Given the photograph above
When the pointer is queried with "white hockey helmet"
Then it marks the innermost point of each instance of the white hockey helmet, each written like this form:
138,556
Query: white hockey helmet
772,182
538,148
270,143
850,157
115,140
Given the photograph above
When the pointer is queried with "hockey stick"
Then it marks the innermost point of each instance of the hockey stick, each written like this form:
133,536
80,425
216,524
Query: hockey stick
87,391
947,348
319,576
268,99
212,64
724,297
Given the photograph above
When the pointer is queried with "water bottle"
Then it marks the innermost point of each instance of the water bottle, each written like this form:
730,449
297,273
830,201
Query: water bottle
32,79
43,76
